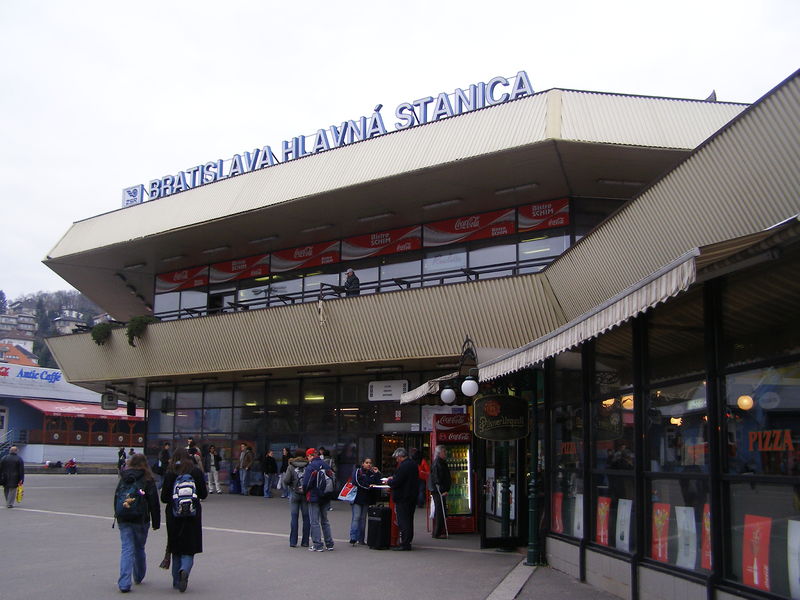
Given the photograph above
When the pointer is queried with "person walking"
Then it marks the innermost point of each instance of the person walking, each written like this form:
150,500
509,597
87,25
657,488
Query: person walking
212,468
163,463
184,532
293,482
285,456
121,458
135,509
405,488
270,473
440,486
12,475
245,463
318,503
363,477
424,473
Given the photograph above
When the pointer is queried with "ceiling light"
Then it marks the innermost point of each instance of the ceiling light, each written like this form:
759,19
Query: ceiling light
316,228
318,372
441,204
140,297
621,182
173,258
215,249
383,369
160,382
450,365
201,379
256,375
377,217
134,266
121,277
268,238
516,188
131,289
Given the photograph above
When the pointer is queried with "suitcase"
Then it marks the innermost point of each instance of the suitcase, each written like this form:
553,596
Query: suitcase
379,527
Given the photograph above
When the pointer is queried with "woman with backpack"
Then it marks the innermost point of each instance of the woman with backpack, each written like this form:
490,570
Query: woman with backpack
184,487
135,508
293,482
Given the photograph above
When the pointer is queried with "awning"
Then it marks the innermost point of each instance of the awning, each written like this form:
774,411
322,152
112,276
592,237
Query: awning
431,387
53,408
658,287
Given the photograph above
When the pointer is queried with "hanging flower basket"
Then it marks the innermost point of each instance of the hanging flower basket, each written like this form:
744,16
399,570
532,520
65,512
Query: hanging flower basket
137,326
101,333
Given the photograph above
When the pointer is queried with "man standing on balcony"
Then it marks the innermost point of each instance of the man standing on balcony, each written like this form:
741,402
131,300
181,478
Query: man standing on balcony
12,474
352,286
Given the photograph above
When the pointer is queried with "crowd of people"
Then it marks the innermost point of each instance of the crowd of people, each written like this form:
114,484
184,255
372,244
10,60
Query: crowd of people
306,478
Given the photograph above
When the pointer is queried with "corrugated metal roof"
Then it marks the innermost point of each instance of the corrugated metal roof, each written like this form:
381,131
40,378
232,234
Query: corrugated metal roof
594,117
419,323
741,181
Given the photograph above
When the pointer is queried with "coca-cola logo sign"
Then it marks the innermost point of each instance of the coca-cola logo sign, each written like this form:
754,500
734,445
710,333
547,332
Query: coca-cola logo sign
452,427
453,436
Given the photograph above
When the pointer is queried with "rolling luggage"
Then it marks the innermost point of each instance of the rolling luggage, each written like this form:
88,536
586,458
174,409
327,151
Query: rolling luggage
379,527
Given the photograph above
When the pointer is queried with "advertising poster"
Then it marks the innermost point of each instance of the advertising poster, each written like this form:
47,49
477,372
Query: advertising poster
241,268
687,537
557,520
705,550
793,557
544,215
601,526
577,517
755,551
183,279
314,255
395,241
660,534
624,506
474,227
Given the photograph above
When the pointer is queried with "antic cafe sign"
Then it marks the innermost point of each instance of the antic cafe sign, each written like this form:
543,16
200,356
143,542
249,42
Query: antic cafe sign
500,418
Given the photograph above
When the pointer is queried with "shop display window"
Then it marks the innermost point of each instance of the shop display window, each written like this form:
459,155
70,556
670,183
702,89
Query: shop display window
218,395
678,523
764,537
401,268
538,245
217,420
188,419
677,428
319,405
759,310
567,484
613,515
189,396
167,303
676,338
161,413
762,410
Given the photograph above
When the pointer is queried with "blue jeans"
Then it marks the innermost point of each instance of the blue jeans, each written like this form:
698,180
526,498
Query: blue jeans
181,562
270,481
318,512
244,480
358,525
298,505
132,559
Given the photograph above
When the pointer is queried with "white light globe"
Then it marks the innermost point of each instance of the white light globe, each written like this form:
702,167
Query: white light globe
448,395
469,387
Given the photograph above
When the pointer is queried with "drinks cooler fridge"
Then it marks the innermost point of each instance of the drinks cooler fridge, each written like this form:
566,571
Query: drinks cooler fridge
453,432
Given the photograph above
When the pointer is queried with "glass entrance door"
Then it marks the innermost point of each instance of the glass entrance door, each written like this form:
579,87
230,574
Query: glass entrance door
500,484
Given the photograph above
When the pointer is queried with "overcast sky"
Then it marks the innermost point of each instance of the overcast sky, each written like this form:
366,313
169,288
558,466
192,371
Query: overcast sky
98,96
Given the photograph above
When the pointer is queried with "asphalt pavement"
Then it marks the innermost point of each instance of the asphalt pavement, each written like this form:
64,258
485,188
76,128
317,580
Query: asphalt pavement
59,543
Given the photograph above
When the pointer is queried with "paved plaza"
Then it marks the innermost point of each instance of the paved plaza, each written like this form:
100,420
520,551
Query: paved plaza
59,544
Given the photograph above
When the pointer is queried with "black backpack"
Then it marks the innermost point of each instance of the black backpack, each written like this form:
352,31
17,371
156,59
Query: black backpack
130,501
298,483
326,484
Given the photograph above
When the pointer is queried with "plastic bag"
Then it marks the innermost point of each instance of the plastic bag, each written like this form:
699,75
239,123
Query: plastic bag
20,492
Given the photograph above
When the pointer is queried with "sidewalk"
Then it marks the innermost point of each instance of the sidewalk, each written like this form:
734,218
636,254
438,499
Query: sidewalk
60,544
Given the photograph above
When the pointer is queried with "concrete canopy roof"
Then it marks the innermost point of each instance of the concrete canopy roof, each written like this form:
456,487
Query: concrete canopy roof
567,143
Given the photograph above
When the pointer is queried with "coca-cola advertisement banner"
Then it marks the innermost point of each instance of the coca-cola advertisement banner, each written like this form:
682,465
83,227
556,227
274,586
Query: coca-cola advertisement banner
475,227
313,255
453,428
242,268
395,241
544,215
183,279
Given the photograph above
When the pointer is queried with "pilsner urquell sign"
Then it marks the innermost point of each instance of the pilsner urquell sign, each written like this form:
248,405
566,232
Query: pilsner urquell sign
500,418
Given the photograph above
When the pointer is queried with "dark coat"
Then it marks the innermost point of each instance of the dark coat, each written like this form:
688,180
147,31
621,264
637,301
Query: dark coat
312,495
352,286
362,480
270,466
440,475
184,535
405,482
151,493
207,464
12,470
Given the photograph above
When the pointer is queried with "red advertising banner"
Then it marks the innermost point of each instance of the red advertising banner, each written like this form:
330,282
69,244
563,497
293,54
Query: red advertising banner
660,532
705,540
601,530
451,428
383,242
557,520
544,215
755,551
475,227
181,280
314,255
242,268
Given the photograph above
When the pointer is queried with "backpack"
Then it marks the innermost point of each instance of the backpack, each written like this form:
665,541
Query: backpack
298,483
326,484
184,497
130,501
